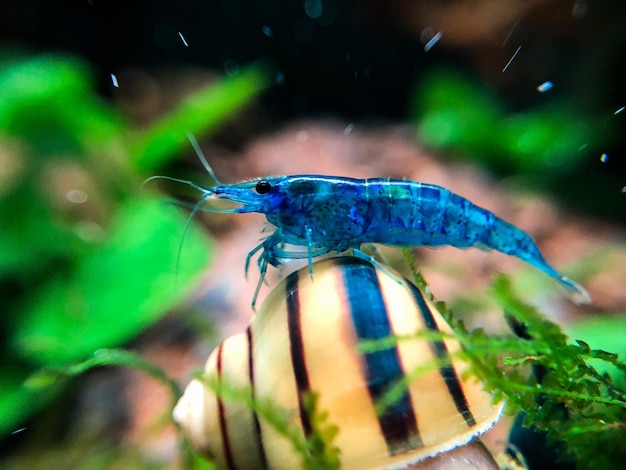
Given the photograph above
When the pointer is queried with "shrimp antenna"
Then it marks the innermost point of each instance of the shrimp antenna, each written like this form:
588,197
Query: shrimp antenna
206,194
200,153
200,188
196,207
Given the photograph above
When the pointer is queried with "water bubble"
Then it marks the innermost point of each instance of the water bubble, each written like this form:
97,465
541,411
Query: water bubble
508,36
114,81
618,111
302,136
182,38
76,196
432,41
280,78
604,158
89,231
313,8
349,128
580,8
231,67
426,35
511,59
545,86
267,31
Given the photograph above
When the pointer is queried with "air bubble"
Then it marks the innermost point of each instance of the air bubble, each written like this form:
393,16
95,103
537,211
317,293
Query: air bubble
182,38
313,8
231,67
76,196
545,86
434,40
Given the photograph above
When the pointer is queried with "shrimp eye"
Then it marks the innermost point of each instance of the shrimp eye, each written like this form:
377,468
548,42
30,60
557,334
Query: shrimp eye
263,187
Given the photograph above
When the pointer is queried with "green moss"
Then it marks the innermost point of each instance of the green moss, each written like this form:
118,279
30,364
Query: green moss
553,382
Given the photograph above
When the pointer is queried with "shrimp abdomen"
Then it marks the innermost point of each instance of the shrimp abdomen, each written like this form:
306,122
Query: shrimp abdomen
418,214
413,214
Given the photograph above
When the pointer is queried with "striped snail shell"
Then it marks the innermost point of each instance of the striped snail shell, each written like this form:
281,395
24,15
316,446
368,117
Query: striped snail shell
305,338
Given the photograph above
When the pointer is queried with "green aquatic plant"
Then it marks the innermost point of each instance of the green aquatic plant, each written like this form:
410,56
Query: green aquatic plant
555,383
87,258
558,144
455,113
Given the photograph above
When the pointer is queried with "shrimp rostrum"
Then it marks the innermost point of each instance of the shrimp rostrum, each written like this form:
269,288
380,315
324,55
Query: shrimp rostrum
333,214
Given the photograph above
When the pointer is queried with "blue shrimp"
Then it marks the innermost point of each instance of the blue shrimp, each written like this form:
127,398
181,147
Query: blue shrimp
334,214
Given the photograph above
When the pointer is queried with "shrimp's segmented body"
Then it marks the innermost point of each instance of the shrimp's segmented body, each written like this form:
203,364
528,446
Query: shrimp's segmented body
326,213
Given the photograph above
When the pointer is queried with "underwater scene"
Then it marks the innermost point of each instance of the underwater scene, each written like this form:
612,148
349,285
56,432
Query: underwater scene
313,234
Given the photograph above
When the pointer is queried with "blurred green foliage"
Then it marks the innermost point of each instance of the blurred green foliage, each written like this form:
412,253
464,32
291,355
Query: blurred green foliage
607,332
87,259
457,114
552,147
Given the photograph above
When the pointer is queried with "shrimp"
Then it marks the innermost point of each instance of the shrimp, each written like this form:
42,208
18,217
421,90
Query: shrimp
334,214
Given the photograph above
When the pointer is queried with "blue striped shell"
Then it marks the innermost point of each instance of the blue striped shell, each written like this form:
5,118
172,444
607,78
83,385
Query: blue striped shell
305,338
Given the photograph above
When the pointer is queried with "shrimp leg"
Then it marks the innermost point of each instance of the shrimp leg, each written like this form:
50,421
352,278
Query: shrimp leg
272,254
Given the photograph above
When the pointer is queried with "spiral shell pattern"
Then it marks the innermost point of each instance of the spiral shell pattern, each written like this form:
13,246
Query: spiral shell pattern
307,337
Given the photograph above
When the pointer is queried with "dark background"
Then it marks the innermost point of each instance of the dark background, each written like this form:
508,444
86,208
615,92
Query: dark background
357,60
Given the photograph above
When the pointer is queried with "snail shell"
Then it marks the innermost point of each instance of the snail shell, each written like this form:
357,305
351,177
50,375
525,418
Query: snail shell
305,338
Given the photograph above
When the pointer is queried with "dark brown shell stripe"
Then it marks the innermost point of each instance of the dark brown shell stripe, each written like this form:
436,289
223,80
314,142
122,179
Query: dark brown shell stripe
366,306
228,454
227,446
448,373
383,368
255,418
297,348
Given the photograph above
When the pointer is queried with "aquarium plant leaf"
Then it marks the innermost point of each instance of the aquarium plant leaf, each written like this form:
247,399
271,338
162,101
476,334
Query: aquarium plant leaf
115,291
199,113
